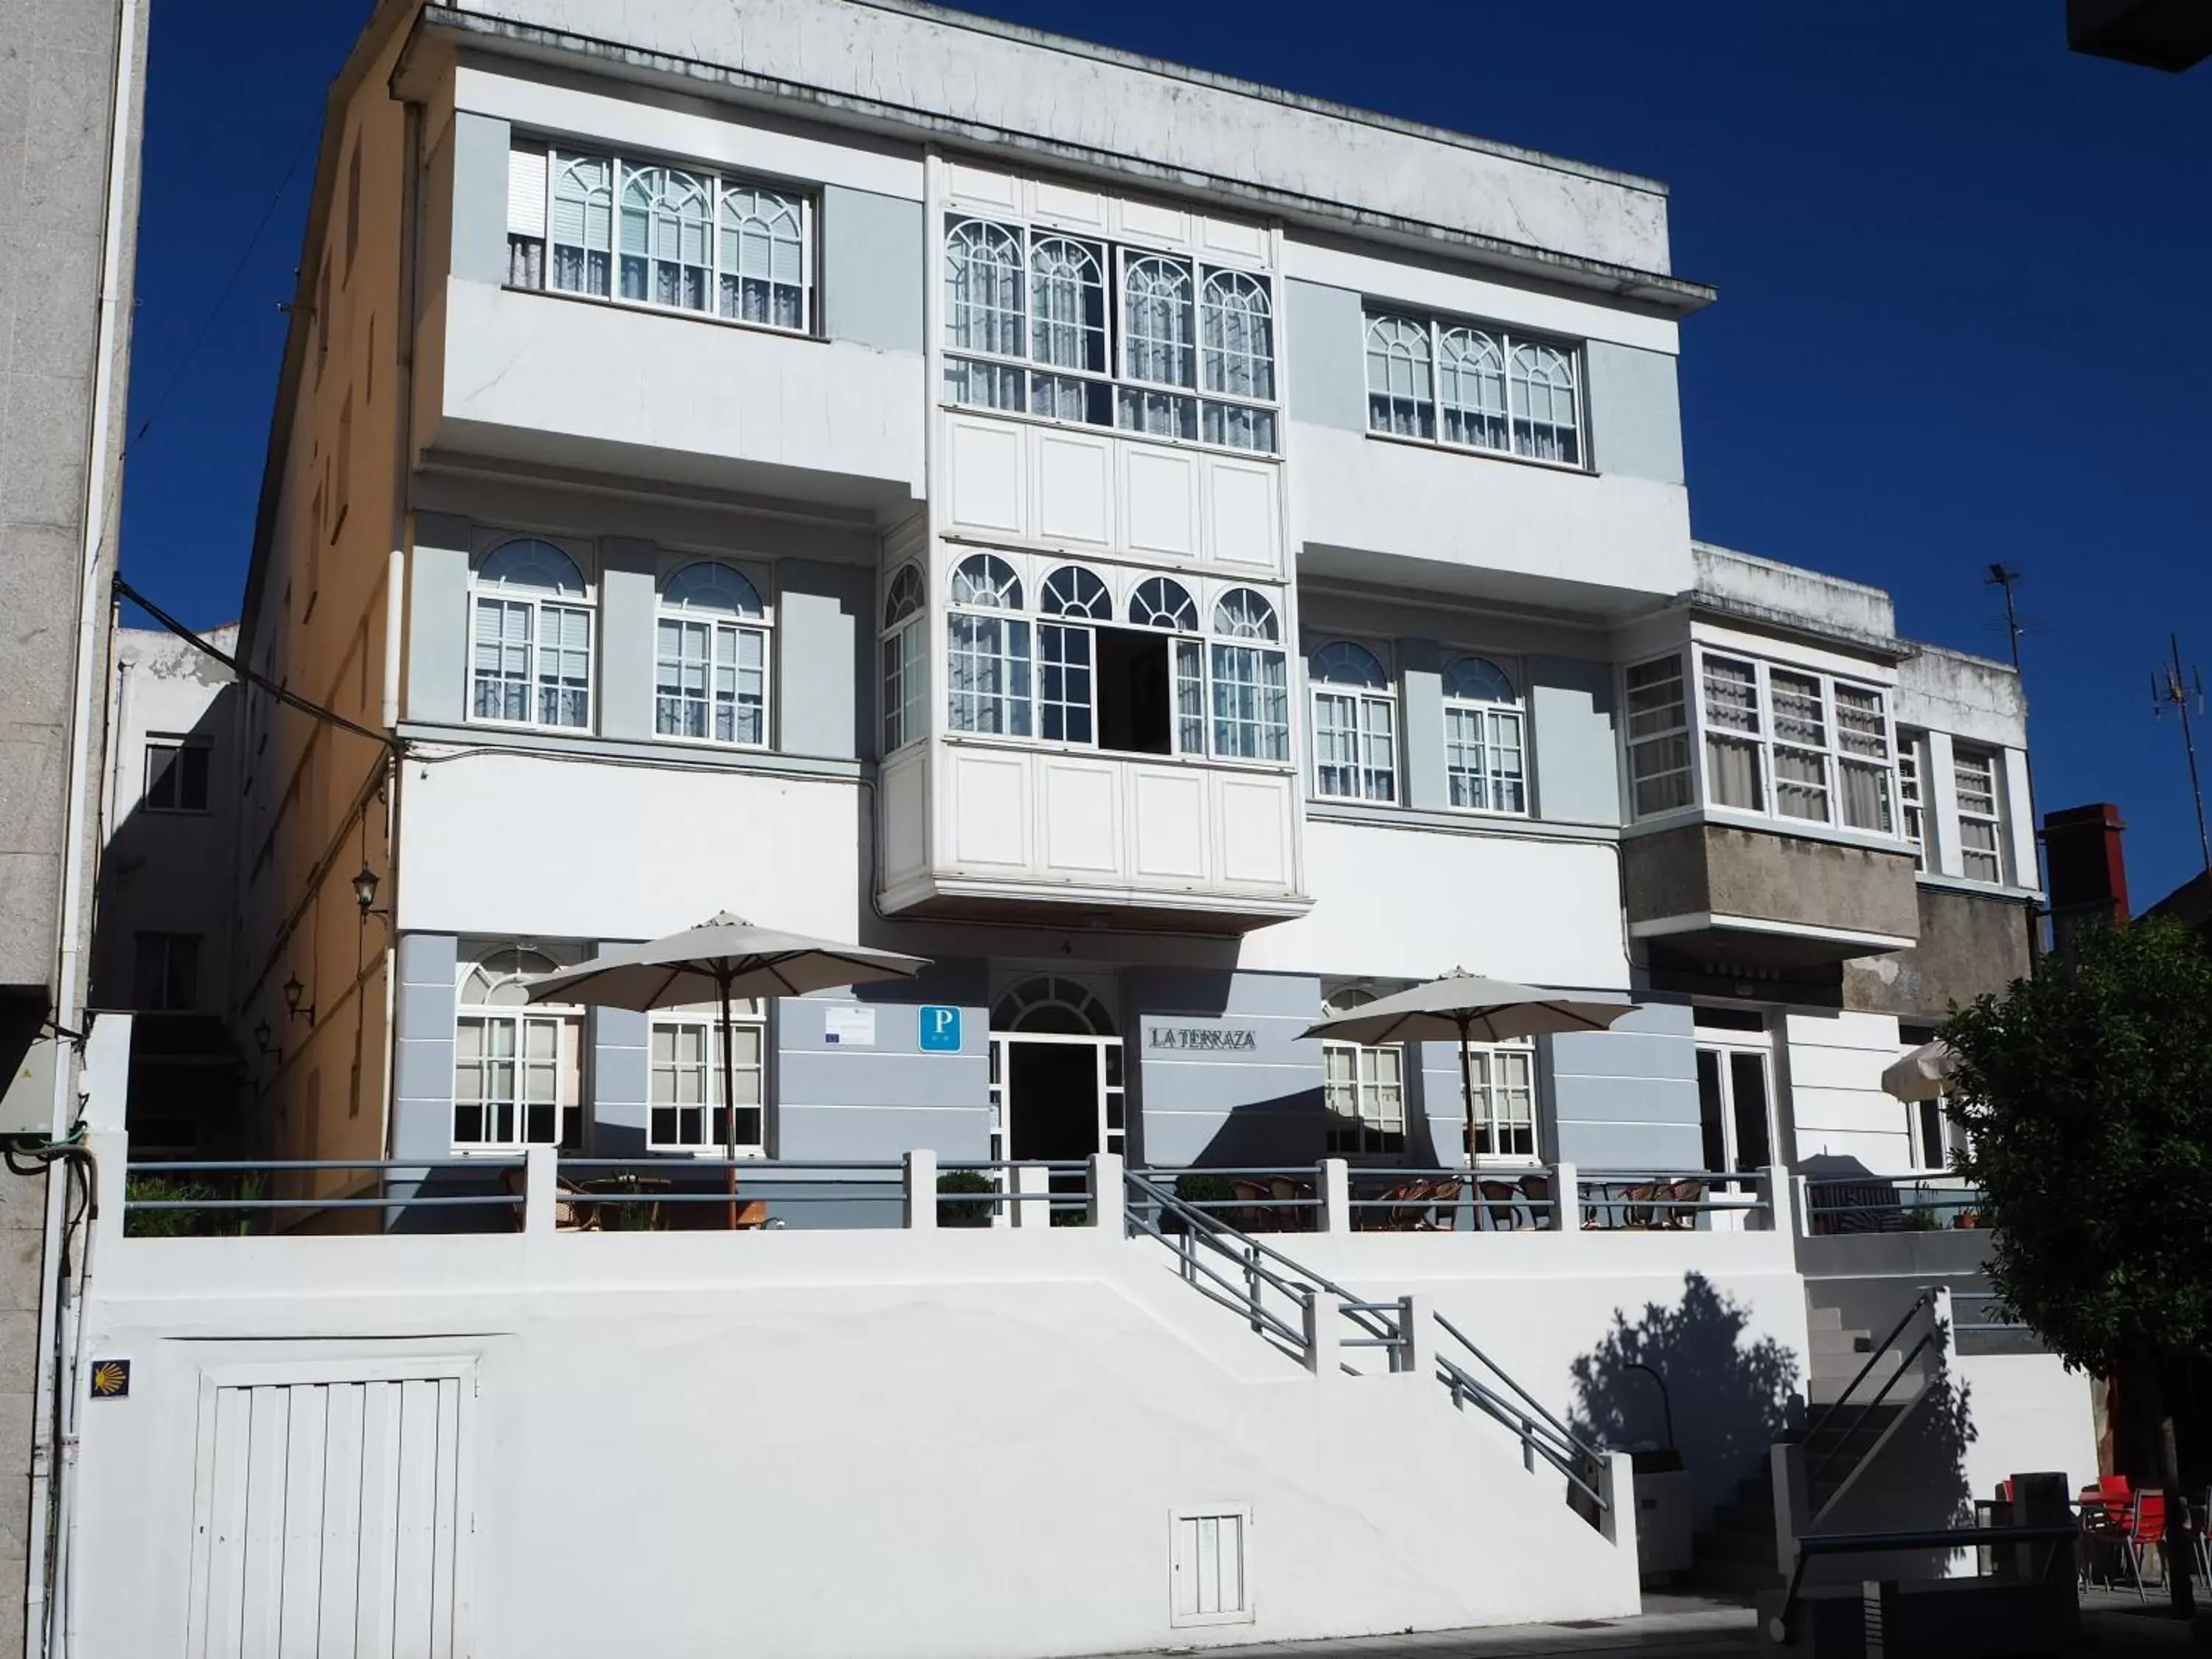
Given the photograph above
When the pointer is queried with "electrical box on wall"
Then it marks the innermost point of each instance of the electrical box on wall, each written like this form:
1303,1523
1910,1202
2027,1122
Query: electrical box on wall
28,1107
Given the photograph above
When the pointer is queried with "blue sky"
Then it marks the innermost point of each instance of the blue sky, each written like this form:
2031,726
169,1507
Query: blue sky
1962,313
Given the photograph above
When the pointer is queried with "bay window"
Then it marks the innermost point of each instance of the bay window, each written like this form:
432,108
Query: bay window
516,1068
1188,354
531,638
1486,753
1474,386
1355,727
710,679
1784,742
1251,694
643,233
905,648
689,1112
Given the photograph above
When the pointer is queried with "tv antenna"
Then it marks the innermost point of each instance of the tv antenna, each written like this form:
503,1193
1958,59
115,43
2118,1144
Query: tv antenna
2172,688
2001,577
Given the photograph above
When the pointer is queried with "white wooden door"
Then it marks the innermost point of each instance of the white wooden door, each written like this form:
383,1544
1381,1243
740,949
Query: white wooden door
332,1514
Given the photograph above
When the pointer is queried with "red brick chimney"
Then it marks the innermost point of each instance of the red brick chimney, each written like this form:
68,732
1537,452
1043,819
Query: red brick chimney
2087,869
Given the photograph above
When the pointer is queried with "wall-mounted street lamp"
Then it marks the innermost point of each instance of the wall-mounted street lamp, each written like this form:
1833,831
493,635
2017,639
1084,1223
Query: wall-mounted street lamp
265,1042
364,895
293,992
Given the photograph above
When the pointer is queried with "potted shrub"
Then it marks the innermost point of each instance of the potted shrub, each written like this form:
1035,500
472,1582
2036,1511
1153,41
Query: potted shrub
953,1212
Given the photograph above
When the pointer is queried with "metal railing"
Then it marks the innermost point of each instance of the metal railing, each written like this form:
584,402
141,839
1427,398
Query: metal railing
1251,1198
170,1199
1236,1270
1998,1318
1921,1304
1888,1204
1778,1627
1542,1434
1409,1200
1664,1200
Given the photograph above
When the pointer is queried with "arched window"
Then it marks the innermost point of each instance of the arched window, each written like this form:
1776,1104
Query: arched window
983,288
1243,614
711,663
1401,399
906,659
1363,1088
987,651
531,640
1251,689
1157,321
764,263
1050,1004
1067,332
1163,602
1355,730
1239,354
583,223
687,1113
1471,387
1071,591
515,1071
1486,760
1545,421
667,238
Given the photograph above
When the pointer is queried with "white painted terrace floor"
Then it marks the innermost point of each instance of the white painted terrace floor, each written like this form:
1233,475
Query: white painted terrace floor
1684,1626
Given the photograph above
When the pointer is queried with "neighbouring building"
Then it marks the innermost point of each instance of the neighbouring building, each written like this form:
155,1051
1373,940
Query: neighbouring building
163,921
1181,557
71,88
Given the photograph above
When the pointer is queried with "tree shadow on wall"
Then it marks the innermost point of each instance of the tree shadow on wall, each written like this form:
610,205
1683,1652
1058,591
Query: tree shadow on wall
1729,1398
1916,1483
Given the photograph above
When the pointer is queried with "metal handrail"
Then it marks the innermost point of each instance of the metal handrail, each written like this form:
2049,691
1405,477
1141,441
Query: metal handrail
1464,1383
1569,1455
194,1166
1920,1302
1873,1405
1859,1543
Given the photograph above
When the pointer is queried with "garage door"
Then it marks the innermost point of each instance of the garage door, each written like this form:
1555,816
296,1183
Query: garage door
331,1516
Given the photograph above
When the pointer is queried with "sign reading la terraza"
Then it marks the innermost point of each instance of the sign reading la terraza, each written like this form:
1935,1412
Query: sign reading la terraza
1237,1038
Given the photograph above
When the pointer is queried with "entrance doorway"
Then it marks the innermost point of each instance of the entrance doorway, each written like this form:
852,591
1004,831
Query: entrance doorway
1056,1082
1736,1093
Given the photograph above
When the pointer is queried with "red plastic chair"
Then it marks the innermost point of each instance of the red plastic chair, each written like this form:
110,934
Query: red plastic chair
2146,1530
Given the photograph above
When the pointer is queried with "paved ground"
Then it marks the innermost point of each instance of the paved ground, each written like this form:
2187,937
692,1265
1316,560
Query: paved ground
1684,1627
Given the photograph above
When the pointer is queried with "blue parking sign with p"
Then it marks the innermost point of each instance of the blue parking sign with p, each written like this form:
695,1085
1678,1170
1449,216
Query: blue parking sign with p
940,1030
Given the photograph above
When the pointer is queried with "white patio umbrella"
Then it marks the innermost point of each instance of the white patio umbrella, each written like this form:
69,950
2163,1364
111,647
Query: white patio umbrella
722,960
1468,1008
1924,1074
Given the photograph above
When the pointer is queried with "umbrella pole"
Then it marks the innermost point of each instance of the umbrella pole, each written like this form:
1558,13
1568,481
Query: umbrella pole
729,1096
1467,1086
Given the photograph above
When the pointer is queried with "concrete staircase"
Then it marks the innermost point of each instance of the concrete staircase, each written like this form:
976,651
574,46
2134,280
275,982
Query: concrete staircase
1737,1553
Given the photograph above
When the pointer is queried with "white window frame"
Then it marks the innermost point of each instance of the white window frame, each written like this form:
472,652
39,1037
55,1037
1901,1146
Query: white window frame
1010,660
177,748
535,602
534,250
1664,735
1375,1124
1484,1063
1197,402
1493,718
705,1027
564,1022
727,634
1912,806
1751,724
1963,755
903,644
1238,700
1372,729
1417,347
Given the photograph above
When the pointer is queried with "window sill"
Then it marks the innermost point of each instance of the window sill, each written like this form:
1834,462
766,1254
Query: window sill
1794,828
463,738
1456,821
1091,751
646,308
1438,447
1273,457
1944,882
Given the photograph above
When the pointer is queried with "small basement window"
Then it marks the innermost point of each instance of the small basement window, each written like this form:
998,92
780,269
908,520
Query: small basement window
1212,1569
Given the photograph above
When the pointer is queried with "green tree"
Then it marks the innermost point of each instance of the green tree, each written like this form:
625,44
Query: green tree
2085,1093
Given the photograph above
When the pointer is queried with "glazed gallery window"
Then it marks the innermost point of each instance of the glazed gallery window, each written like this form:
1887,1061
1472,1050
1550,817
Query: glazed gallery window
1152,682
1485,750
515,1065
1069,329
1784,742
1474,386
688,1114
1355,724
1911,766
530,651
642,232
710,678
905,648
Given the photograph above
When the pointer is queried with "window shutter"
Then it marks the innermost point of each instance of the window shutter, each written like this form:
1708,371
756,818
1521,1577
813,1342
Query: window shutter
525,191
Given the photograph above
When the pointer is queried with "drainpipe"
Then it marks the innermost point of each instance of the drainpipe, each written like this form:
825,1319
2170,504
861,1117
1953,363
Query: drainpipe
46,1577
